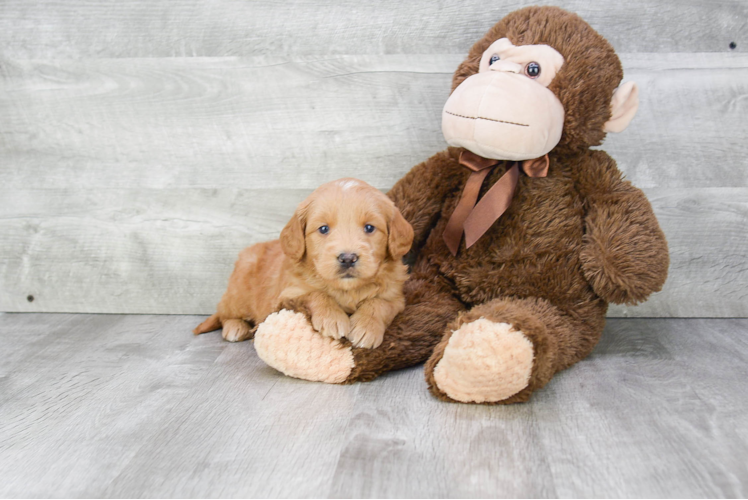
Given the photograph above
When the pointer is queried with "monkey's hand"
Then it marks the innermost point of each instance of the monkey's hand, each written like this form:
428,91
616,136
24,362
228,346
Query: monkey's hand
625,254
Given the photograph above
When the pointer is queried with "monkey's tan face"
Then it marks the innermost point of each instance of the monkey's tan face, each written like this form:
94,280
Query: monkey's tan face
506,111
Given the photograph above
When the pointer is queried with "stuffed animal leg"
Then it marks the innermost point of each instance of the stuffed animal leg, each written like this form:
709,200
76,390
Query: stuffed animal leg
287,342
505,349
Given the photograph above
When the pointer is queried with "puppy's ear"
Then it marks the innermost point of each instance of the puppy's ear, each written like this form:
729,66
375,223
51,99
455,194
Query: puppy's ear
292,238
401,236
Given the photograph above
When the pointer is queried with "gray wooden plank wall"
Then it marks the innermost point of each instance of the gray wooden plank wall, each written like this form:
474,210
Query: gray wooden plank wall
144,143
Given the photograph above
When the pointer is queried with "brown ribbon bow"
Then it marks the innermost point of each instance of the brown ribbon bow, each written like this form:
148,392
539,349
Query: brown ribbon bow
474,220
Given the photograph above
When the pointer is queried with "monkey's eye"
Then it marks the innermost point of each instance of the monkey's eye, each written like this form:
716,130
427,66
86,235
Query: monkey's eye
493,59
532,70
324,229
369,228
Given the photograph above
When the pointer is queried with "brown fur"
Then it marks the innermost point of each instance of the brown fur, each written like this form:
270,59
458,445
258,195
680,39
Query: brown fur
567,245
301,270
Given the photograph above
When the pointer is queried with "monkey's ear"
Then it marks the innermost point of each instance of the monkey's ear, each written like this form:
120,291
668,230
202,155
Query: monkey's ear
401,236
623,107
292,238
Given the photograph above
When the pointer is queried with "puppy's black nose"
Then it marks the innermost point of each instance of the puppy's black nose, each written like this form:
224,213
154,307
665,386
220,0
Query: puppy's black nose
347,260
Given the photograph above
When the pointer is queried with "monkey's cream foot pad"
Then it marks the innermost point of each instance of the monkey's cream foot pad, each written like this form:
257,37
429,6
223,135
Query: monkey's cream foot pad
484,362
287,342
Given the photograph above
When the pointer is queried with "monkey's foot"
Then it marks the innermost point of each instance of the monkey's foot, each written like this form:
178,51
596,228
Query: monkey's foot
484,362
287,342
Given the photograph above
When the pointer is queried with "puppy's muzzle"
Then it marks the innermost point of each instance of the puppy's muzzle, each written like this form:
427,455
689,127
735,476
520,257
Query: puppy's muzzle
347,260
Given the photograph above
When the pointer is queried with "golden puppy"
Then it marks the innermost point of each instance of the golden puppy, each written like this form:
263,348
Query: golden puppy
338,260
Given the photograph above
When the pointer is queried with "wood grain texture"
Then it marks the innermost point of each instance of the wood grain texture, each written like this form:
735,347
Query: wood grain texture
155,250
263,122
172,250
285,123
51,29
133,406
143,144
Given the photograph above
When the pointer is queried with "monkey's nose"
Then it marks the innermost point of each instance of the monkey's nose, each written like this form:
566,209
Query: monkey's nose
347,260
506,66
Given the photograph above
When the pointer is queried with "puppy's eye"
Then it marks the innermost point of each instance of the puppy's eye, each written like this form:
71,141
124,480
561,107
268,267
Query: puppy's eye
324,229
369,228
533,70
493,59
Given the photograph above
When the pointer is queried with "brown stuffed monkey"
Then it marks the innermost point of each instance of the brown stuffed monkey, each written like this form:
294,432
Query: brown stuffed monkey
523,234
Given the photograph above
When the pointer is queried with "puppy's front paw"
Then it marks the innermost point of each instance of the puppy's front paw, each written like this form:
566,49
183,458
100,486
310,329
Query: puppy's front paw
333,324
366,331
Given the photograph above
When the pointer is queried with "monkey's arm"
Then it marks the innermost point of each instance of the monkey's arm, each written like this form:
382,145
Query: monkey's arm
625,254
421,192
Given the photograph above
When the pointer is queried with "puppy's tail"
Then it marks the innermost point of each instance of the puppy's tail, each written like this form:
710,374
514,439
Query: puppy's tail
210,324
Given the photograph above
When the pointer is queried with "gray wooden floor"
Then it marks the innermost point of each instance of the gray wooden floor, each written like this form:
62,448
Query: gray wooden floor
104,406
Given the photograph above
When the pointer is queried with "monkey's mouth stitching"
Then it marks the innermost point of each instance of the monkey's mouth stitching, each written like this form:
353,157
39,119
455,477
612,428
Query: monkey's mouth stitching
489,119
